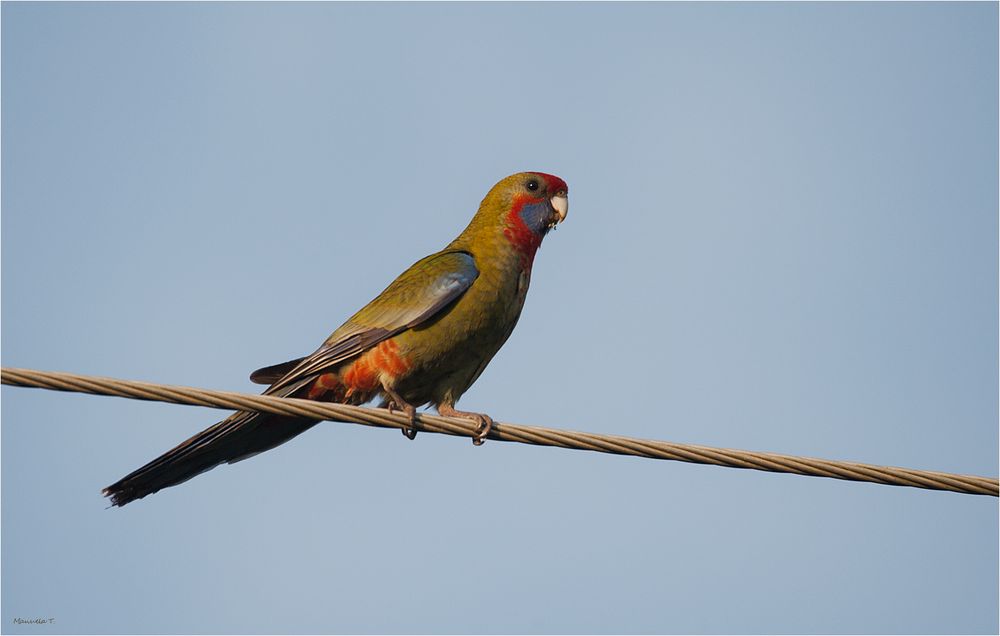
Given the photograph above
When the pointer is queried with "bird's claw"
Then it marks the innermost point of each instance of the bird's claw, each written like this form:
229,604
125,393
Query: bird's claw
410,411
484,421
483,431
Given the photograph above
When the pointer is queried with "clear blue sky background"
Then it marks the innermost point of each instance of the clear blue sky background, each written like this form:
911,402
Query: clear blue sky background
782,236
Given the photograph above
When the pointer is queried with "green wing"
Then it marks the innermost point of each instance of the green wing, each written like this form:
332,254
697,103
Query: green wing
417,295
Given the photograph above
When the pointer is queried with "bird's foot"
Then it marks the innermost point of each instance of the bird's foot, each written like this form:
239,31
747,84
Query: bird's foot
485,422
394,403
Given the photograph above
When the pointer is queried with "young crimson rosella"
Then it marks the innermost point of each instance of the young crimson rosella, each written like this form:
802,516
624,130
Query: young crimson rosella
424,340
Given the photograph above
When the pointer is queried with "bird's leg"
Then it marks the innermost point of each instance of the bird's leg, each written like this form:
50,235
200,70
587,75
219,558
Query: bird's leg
396,402
485,421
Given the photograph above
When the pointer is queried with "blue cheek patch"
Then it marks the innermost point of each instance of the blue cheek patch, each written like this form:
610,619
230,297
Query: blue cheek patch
536,217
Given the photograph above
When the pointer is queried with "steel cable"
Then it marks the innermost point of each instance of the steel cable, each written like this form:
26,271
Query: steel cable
505,432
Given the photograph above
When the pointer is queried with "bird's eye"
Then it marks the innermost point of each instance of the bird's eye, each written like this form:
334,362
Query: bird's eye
532,185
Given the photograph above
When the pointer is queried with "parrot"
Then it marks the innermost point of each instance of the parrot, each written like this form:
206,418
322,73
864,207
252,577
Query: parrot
423,341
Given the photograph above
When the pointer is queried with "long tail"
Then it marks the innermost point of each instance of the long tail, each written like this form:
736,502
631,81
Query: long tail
239,436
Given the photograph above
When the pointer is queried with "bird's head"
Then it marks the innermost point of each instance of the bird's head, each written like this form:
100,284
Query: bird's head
525,206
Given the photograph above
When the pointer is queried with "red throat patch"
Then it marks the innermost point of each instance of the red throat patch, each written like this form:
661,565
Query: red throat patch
524,238
517,232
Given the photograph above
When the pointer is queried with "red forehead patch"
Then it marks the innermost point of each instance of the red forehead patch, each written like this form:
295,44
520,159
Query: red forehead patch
554,183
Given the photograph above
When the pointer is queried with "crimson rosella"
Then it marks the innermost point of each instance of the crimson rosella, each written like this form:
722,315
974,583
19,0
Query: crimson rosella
424,340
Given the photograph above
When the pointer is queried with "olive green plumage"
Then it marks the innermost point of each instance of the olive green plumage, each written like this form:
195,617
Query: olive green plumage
424,340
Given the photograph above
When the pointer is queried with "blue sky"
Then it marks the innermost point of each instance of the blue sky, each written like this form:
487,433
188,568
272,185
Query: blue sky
782,236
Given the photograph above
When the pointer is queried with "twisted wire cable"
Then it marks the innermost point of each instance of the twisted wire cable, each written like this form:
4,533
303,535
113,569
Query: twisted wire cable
504,432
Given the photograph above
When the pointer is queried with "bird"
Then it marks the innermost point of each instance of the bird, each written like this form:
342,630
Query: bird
424,340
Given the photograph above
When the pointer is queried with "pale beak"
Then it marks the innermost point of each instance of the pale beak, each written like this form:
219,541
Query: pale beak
560,203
